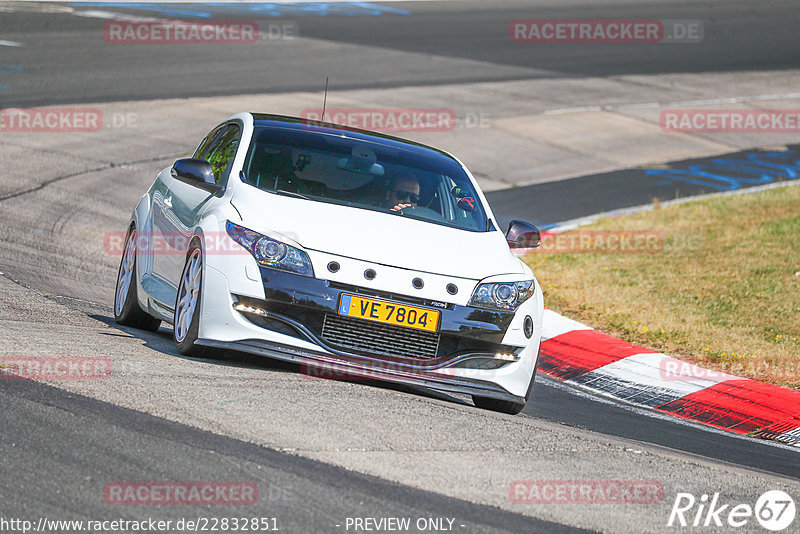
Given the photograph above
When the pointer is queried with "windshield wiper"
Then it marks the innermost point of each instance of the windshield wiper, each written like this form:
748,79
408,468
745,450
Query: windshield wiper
287,193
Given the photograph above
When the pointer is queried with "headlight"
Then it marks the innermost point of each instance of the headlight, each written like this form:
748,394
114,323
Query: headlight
502,295
271,252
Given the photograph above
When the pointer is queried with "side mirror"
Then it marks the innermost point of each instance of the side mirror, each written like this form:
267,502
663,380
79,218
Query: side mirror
523,235
196,172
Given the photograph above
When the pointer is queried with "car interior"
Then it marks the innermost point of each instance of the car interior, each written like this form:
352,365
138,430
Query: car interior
322,175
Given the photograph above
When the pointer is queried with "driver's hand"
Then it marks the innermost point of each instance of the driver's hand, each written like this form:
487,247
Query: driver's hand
401,206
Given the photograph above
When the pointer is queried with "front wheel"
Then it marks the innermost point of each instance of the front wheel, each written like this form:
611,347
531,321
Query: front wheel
497,405
186,321
126,300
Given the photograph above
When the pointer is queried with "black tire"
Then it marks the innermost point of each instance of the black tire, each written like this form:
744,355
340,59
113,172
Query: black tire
186,342
497,405
128,312
505,406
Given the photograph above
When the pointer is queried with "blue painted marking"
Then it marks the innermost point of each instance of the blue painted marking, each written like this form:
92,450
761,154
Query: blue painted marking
6,68
726,174
788,170
166,9
271,9
344,305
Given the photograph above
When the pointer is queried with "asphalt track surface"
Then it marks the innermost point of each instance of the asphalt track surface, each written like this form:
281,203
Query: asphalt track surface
59,66
116,443
550,203
67,61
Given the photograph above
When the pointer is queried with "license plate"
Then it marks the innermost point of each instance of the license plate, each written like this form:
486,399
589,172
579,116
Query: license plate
382,311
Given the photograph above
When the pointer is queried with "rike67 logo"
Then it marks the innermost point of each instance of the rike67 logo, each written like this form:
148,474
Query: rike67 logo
774,510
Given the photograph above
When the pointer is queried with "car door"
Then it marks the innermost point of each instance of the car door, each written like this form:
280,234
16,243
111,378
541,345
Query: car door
178,212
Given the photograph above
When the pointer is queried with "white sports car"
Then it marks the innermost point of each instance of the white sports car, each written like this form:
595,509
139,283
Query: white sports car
339,249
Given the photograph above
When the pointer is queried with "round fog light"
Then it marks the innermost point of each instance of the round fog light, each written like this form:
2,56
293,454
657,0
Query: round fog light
527,326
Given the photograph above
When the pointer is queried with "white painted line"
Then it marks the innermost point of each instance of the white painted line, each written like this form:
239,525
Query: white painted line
645,105
655,370
110,15
10,43
555,324
679,103
737,99
578,109
615,107
792,437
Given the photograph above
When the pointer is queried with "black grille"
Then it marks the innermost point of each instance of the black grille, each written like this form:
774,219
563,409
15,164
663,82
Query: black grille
375,338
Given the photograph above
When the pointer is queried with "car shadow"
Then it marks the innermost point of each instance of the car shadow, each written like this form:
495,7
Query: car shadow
161,341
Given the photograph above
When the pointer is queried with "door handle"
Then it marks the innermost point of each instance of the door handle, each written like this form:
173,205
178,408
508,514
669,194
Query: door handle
168,202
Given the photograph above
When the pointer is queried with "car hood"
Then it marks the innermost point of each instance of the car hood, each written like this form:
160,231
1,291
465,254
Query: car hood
377,237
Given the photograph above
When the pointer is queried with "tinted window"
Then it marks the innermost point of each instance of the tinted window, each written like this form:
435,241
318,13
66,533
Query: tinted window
219,149
203,148
361,174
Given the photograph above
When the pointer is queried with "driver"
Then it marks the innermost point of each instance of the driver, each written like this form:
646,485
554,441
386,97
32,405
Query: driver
402,193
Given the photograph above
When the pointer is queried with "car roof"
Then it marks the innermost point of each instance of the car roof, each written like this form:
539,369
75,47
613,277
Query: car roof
308,125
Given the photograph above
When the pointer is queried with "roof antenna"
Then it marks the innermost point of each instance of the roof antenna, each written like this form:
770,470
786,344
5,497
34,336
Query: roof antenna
324,99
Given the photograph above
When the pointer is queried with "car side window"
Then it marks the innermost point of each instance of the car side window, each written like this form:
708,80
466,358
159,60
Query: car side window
220,150
202,150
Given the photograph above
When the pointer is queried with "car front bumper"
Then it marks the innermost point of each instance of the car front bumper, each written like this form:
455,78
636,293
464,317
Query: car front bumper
289,326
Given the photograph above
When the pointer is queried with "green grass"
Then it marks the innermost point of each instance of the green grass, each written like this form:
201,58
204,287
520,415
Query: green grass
722,288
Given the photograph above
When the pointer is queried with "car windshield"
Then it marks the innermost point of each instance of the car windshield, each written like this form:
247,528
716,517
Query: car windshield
341,170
